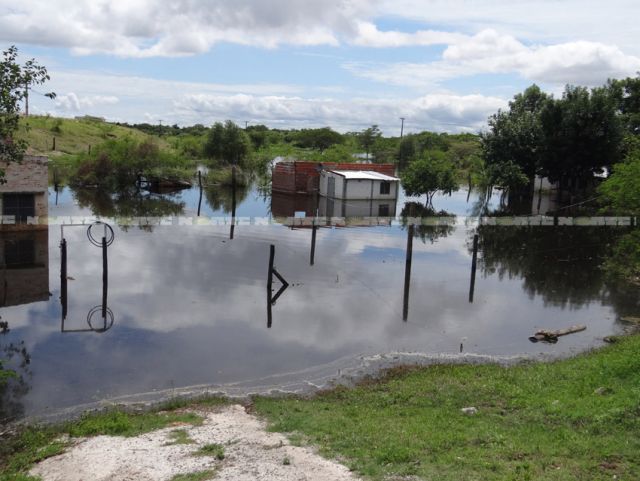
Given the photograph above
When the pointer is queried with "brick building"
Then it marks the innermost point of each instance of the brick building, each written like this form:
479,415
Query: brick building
24,195
24,267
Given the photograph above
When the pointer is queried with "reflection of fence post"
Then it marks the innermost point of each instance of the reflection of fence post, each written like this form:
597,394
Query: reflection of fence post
473,267
407,272
63,279
200,185
105,278
313,243
233,202
272,252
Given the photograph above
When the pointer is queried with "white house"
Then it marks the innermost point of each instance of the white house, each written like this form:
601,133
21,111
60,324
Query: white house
358,185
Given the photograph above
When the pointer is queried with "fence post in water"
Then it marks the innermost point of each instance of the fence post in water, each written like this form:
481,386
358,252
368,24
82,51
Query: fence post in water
200,185
105,277
407,273
63,280
474,260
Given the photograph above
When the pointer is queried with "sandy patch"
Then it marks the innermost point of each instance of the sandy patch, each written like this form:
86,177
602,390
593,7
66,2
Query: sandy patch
251,453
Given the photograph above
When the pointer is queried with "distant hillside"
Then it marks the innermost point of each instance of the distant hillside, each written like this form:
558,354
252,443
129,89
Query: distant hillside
72,136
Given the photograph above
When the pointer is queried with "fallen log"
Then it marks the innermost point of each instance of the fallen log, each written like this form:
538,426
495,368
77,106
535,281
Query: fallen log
545,335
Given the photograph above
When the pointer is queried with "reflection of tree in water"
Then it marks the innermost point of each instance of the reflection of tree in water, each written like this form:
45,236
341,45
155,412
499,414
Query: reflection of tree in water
14,376
509,203
220,197
128,203
428,232
562,264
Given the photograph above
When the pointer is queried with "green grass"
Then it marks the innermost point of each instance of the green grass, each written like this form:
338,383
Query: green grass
535,421
214,450
19,453
33,444
179,436
198,476
72,136
118,423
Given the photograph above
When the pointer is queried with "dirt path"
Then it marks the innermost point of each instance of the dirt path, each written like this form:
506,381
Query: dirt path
250,453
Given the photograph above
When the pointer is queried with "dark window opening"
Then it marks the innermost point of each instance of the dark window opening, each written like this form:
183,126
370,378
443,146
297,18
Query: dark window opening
21,206
383,210
385,187
19,253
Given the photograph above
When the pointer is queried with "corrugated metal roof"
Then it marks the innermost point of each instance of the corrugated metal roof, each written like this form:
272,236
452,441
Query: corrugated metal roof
364,175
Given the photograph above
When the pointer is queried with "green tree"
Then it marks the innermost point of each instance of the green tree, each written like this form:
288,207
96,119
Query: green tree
368,137
621,191
406,150
15,81
515,140
227,143
320,139
626,93
258,135
428,175
581,134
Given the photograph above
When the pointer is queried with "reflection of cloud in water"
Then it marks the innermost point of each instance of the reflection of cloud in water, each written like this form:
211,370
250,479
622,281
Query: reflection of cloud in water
190,308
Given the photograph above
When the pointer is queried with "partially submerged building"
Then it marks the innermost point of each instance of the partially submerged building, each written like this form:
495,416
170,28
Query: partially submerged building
346,190
303,177
24,194
358,185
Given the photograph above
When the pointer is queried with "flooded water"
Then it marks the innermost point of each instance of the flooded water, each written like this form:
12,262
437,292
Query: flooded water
189,305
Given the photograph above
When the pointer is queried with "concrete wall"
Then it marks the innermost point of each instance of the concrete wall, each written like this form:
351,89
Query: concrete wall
31,176
356,188
367,189
357,208
25,284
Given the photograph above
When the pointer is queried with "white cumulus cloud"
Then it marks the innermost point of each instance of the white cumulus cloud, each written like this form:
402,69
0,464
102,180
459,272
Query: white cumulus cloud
73,102
581,62
440,112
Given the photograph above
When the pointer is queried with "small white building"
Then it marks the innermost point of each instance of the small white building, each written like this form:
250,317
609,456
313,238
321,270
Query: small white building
358,185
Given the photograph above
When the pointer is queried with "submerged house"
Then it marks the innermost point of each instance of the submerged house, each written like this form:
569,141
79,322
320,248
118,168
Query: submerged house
346,190
358,185
24,194
358,193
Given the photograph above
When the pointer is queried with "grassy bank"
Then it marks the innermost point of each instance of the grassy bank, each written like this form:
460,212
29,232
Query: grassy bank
572,419
567,420
20,450
72,136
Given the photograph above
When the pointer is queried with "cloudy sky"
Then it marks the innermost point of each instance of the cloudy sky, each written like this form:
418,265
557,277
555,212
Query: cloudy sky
444,65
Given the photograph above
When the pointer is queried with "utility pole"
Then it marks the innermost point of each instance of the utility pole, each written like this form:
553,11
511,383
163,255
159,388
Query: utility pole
246,122
401,126
26,99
